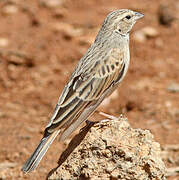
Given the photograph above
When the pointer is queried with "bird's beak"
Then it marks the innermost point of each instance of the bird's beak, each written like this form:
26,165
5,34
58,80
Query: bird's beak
138,15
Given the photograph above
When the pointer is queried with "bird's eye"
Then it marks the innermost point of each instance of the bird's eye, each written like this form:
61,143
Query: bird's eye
128,17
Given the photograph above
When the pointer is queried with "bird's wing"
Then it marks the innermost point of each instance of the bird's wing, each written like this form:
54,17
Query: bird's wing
84,90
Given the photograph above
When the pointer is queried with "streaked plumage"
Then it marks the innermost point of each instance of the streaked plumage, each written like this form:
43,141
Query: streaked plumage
96,76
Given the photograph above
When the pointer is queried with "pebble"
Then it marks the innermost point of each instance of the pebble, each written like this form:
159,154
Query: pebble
165,15
5,165
10,9
150,32
4,42
139,36
144,33
174,87
52,3
68,29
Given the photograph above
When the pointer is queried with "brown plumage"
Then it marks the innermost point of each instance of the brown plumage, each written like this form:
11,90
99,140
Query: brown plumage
96,76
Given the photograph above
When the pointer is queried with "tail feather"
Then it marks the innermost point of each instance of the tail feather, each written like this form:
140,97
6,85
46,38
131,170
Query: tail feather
39,152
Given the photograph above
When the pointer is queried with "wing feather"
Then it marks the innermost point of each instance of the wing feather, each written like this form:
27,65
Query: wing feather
84,91
102,76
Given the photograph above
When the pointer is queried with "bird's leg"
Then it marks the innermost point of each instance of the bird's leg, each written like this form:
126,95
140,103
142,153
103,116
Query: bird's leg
109,117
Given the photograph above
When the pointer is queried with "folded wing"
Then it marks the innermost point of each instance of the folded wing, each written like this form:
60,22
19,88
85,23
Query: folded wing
85,92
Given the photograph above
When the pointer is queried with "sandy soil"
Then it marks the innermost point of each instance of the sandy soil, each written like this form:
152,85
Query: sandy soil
40,43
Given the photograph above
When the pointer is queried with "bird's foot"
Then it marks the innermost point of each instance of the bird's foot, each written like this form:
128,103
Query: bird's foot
103,121
108,116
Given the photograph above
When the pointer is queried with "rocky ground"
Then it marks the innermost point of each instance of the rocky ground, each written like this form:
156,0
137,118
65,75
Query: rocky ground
40,43
111,150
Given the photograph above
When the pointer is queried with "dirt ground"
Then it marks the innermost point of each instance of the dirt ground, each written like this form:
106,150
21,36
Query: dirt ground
41,42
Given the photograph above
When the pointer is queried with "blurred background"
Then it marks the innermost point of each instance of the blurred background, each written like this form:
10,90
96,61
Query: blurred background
40,44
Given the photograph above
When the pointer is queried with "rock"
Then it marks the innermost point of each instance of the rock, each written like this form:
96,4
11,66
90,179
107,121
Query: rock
139,36
112,150
52,3
67,29
10,9
16,58
165,15
4,42
150,32
174,87
147,32
4,165
60,12
10,170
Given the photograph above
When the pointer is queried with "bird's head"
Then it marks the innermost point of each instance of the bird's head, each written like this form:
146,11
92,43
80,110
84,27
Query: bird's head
120,21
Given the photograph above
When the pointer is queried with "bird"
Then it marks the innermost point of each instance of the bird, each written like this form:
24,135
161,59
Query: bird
97,74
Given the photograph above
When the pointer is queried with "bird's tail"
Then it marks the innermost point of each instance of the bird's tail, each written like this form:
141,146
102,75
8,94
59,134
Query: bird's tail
39,152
